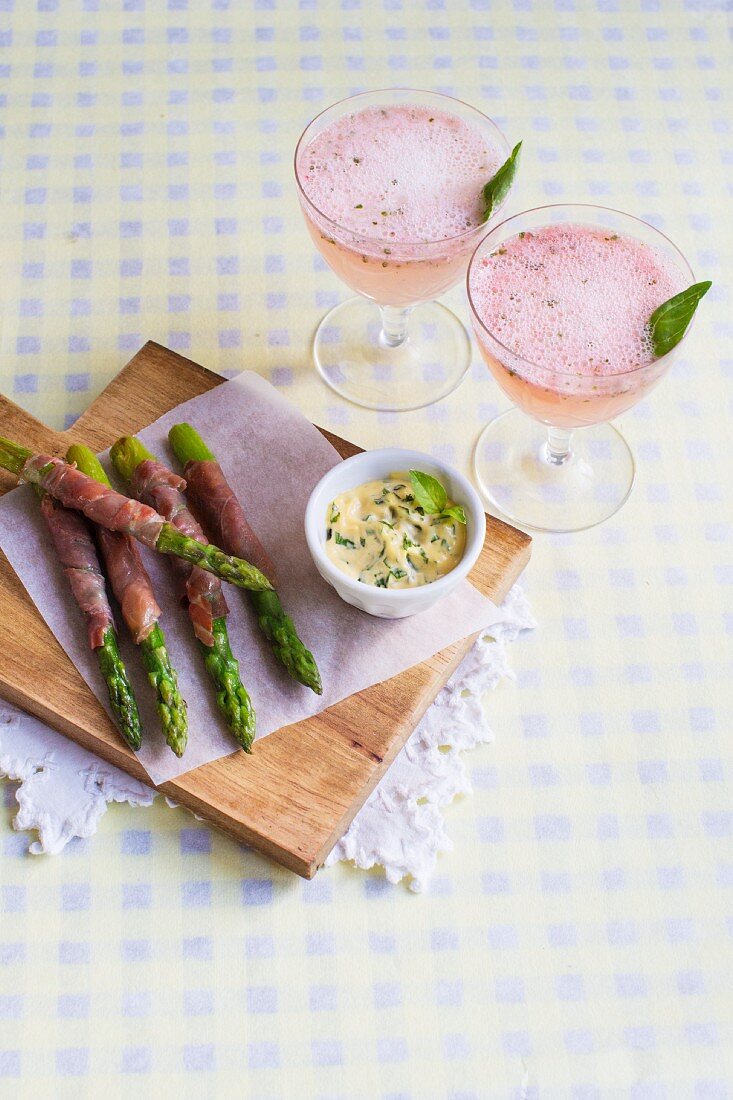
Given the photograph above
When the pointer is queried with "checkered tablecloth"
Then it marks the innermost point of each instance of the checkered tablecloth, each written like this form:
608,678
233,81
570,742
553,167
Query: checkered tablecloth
577,943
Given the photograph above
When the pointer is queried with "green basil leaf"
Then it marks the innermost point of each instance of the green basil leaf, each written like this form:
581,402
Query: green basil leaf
429,493
496,190
668,323
454,512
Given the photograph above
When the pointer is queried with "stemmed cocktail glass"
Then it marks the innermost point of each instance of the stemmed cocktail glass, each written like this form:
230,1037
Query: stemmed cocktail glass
393,347
554,462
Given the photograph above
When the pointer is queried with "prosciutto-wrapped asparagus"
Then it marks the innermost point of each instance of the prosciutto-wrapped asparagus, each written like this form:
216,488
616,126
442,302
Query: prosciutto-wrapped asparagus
154,484
212,497
107,508
216,506
77,553
133,591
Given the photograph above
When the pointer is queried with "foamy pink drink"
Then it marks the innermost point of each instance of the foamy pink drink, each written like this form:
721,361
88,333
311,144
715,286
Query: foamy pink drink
561,314
392,197
391,184
561,301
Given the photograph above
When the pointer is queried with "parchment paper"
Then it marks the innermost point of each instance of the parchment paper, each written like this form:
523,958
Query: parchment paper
272,457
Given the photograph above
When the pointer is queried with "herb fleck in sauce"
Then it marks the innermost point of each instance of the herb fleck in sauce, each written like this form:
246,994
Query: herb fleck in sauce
379,536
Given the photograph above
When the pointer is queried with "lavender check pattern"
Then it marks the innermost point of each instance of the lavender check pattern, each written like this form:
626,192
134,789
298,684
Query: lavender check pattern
577,943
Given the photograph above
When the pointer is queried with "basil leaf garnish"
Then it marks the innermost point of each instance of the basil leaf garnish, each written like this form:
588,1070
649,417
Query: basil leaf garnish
454,512
496,190
429,493
431,496
668,323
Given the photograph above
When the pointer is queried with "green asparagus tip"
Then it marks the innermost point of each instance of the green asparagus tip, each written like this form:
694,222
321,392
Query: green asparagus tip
121,694
188,446
170,703
231,695
280,631
212,559
127,454
85,460
13,457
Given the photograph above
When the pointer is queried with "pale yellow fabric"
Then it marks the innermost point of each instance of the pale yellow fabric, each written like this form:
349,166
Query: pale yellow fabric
577,941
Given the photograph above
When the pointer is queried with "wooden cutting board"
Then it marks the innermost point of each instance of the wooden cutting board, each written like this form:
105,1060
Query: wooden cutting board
299,790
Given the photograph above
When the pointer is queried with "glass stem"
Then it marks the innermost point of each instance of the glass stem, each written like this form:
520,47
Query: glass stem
557,448
394,325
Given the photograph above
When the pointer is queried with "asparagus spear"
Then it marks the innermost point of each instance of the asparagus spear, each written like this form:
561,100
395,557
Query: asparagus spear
121,695
116,512
170,704
277,627
76,551
232,697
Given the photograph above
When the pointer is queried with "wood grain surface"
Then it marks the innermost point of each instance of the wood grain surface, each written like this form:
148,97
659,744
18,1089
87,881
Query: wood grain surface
298,791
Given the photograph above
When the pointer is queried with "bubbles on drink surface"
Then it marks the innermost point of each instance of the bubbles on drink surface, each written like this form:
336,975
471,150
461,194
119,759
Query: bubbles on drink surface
401,174
574,297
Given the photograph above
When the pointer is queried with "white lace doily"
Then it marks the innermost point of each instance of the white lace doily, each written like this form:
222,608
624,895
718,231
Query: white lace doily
64,790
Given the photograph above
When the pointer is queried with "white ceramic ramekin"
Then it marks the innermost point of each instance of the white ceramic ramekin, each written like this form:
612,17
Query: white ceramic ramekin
391,603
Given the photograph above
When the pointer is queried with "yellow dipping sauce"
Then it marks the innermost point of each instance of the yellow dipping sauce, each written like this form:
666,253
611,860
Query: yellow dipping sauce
377,535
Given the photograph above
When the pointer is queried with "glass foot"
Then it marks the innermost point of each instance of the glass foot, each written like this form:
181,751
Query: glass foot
354,360
516,475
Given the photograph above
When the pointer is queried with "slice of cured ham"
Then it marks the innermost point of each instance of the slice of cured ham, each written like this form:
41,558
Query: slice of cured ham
99,503
215,504
130,582
162,489
77,553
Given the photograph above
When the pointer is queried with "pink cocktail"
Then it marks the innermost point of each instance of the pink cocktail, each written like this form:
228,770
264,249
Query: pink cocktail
561,299
390,184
